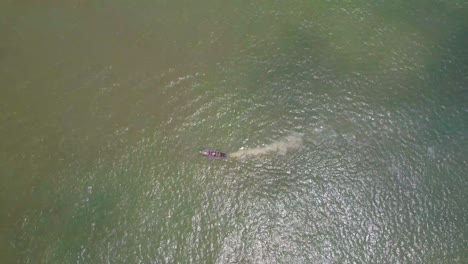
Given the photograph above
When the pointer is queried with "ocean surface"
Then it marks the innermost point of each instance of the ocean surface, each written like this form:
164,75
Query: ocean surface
346,123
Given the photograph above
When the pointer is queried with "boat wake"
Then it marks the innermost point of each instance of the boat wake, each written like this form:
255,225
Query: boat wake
281,147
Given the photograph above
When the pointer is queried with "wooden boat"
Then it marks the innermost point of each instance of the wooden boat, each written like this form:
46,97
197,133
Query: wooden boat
215,154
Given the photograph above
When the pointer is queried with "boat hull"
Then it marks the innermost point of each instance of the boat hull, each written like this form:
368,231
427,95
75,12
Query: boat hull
214,154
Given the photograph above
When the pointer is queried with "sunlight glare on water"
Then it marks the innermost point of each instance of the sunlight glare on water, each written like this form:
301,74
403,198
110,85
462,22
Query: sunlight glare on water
344,122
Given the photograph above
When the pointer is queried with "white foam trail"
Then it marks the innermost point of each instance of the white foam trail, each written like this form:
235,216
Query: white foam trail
291,142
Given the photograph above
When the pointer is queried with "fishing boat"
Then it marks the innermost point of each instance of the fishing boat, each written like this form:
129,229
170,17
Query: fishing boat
215,154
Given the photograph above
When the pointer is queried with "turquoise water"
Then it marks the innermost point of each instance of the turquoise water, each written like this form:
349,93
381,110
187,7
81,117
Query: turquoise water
345,121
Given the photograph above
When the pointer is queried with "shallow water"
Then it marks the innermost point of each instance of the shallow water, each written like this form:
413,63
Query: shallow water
346,124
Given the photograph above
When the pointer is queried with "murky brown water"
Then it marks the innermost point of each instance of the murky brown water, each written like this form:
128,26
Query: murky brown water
347,122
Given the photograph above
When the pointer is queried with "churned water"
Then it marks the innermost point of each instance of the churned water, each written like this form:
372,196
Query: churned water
280,147
345,122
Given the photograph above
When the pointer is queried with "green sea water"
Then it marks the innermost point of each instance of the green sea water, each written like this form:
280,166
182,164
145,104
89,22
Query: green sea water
346,122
